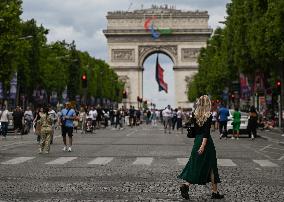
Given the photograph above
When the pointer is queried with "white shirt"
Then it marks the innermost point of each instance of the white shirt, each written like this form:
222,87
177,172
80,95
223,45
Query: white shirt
29,115
93,114
4,116
214,116
167,113
52,114
179,114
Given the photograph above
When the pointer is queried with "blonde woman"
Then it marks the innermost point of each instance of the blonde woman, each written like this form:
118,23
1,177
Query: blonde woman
202,165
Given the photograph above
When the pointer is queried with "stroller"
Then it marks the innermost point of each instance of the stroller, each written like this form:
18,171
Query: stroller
89,126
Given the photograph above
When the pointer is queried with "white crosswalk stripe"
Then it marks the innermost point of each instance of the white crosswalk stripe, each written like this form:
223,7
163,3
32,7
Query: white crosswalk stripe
61,160
226,162
265,163
18,160
143,161
101,161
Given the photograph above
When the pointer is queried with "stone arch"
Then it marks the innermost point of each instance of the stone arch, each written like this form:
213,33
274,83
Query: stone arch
146,51
181,36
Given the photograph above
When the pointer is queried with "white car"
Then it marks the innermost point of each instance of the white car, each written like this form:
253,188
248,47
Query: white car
244,122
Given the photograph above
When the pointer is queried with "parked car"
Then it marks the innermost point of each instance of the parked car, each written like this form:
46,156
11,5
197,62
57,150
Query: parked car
244,122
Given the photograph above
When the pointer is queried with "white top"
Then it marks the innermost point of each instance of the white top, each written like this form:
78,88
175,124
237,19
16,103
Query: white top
167,113
93,114
4,116
179,114
214,116
157,113
52,114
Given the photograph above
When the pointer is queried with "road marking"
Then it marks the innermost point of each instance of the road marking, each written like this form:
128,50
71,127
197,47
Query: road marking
61,160
15,143
18,160
101,160
265,147
182,161
265,163
143,161
281,158
132,133
225,162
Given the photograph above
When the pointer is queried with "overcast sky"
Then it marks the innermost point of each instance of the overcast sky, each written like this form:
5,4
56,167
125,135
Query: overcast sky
84,20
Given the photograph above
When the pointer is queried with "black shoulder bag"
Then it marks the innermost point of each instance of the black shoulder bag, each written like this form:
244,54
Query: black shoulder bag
191,131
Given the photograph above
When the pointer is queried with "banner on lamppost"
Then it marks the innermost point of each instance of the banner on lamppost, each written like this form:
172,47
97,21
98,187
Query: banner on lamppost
64,95
53,98
13,87
1,91
244,87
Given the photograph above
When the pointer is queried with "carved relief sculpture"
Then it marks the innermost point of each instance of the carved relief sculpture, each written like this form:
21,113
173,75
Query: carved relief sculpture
189,54
122,55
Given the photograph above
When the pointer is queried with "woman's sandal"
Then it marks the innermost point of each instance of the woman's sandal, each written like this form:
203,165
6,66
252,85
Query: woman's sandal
184,191
217,196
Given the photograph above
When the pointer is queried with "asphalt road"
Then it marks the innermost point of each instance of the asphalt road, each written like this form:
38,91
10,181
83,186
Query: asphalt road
138,164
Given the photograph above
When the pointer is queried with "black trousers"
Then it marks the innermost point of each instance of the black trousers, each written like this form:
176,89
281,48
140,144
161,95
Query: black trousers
223,128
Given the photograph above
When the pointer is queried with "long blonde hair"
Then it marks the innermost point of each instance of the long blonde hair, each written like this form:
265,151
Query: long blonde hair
203,110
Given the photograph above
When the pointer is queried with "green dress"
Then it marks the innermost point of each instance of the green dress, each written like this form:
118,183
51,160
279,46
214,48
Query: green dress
236,120
198,168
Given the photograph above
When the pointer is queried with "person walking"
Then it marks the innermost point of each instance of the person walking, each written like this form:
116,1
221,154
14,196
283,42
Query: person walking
223,114
167,117
252,122
37,127
214,120
236,123
93,114
67,116
179,119
82,119
53,115
153,118
45,123
201,167
174,119
118,119
4,119
18,120
28,120
131,116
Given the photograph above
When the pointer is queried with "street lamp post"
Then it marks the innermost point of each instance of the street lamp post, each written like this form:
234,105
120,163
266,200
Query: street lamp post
19,75
101,86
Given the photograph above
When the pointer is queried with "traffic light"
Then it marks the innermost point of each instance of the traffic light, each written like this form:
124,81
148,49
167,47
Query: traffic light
84,80
124,94
278,87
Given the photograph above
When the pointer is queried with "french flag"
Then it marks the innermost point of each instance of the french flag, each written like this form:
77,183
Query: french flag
160,77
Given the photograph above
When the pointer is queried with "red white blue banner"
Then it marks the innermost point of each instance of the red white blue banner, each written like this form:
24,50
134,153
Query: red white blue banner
160,77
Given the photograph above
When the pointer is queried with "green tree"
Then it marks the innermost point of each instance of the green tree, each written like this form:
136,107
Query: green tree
10,39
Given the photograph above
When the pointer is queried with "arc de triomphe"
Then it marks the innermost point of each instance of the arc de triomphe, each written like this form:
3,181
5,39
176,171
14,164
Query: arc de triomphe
182,34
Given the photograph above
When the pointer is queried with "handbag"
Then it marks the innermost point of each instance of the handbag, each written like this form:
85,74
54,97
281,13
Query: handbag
191,132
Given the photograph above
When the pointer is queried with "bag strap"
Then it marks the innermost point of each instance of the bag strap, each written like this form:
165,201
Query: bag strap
67,112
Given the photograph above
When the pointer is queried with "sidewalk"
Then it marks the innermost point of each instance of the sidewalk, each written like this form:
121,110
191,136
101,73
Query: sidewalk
275,135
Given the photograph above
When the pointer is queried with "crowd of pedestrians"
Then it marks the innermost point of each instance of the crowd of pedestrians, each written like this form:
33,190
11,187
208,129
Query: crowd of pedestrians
43,121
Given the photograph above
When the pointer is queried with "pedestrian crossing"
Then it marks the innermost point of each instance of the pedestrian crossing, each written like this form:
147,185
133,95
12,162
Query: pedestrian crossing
61,160
138,161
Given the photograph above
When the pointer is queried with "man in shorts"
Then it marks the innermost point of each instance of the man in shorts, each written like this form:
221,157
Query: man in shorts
67,117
